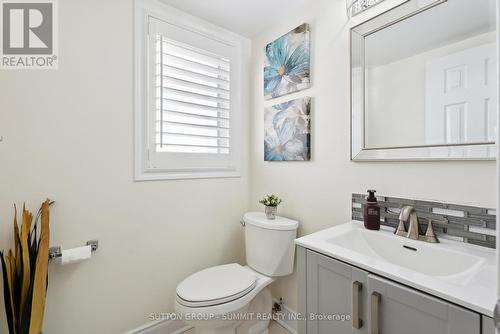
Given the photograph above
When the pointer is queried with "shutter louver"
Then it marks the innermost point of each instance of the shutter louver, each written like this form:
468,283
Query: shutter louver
192,99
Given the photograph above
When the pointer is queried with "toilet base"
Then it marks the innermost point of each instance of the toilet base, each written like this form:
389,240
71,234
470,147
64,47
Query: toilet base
220,330
260,305
223,331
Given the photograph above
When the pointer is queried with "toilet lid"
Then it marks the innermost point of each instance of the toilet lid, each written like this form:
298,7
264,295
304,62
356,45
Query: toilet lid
216,285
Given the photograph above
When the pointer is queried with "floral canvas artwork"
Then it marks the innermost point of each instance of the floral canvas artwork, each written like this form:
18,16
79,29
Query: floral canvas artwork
288,131
287,63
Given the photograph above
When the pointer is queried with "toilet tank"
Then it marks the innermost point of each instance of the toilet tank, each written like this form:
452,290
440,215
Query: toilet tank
270,243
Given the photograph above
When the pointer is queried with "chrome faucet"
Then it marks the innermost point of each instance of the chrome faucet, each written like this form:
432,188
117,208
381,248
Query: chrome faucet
409,215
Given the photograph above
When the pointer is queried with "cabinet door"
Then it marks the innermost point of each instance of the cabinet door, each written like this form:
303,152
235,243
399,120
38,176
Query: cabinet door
396,309
488,325
336,293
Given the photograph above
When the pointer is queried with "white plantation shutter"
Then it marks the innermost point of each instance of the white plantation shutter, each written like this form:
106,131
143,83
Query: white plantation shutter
194,124
192,99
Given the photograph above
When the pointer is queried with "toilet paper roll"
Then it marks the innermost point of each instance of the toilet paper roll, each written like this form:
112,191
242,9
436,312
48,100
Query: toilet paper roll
76,254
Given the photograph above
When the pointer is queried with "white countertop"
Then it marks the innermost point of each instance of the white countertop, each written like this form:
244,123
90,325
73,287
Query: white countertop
474,288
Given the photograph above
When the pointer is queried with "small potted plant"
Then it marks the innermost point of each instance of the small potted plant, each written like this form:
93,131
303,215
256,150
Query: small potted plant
271,202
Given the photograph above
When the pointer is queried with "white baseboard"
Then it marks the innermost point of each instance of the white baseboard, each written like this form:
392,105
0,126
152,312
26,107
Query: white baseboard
162,327
287,318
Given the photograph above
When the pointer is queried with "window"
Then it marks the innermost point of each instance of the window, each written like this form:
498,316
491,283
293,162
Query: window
188,108
192,99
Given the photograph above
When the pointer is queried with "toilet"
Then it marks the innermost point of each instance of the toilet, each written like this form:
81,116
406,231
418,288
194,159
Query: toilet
232,298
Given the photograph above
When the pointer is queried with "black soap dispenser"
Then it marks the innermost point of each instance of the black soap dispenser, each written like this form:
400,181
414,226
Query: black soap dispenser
371,212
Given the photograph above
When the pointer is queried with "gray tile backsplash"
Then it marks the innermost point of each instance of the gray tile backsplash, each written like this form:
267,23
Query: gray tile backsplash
474,225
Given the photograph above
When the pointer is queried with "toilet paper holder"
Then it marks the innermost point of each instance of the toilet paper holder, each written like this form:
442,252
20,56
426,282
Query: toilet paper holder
55,252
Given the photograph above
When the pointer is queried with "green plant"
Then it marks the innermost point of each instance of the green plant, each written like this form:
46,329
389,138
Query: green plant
271,200
25,272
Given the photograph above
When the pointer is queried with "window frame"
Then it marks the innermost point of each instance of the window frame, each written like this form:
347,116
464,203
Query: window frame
148,164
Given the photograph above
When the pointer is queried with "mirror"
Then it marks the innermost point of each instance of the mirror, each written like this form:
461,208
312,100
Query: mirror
424,82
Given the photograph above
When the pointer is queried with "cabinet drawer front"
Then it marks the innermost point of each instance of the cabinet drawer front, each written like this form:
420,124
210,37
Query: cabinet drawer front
404,310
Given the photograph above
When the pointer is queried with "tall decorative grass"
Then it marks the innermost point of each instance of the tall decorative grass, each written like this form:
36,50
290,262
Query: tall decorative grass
25,276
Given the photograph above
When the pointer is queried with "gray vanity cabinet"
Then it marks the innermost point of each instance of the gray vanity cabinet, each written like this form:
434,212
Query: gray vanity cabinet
396,309
374,305
335,290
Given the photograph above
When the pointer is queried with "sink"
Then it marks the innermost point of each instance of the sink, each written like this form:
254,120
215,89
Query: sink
415,255
461,273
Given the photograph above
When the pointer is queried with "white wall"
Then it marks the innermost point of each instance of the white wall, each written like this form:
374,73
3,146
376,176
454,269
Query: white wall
68,135
318,193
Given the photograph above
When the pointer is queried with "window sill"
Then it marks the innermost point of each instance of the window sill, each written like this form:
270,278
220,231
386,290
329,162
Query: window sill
184,175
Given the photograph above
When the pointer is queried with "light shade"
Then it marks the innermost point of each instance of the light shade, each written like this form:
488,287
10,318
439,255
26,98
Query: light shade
354,7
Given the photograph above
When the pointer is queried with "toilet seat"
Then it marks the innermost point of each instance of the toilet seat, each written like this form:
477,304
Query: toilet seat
216,285
233,306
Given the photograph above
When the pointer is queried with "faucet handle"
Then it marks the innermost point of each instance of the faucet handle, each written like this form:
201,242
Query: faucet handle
430,236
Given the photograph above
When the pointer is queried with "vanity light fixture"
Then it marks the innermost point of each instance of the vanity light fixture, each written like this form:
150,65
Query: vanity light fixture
355,7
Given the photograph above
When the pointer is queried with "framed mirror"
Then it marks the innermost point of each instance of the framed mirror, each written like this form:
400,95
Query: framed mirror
424,82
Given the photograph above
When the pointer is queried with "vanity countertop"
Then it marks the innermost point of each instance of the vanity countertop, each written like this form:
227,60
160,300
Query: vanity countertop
460,273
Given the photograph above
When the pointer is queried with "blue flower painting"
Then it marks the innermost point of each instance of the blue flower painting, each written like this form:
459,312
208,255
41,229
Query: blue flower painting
288,131
287,63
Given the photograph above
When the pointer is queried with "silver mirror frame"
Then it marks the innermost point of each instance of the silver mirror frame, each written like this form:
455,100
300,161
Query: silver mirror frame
359,152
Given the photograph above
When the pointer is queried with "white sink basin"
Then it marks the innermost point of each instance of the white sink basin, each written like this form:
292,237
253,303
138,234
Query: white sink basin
419,256
458,272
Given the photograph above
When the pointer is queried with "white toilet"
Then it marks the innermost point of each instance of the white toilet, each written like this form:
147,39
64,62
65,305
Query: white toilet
236,299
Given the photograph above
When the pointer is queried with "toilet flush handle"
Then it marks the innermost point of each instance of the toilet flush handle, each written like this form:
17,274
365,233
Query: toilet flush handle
242,222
